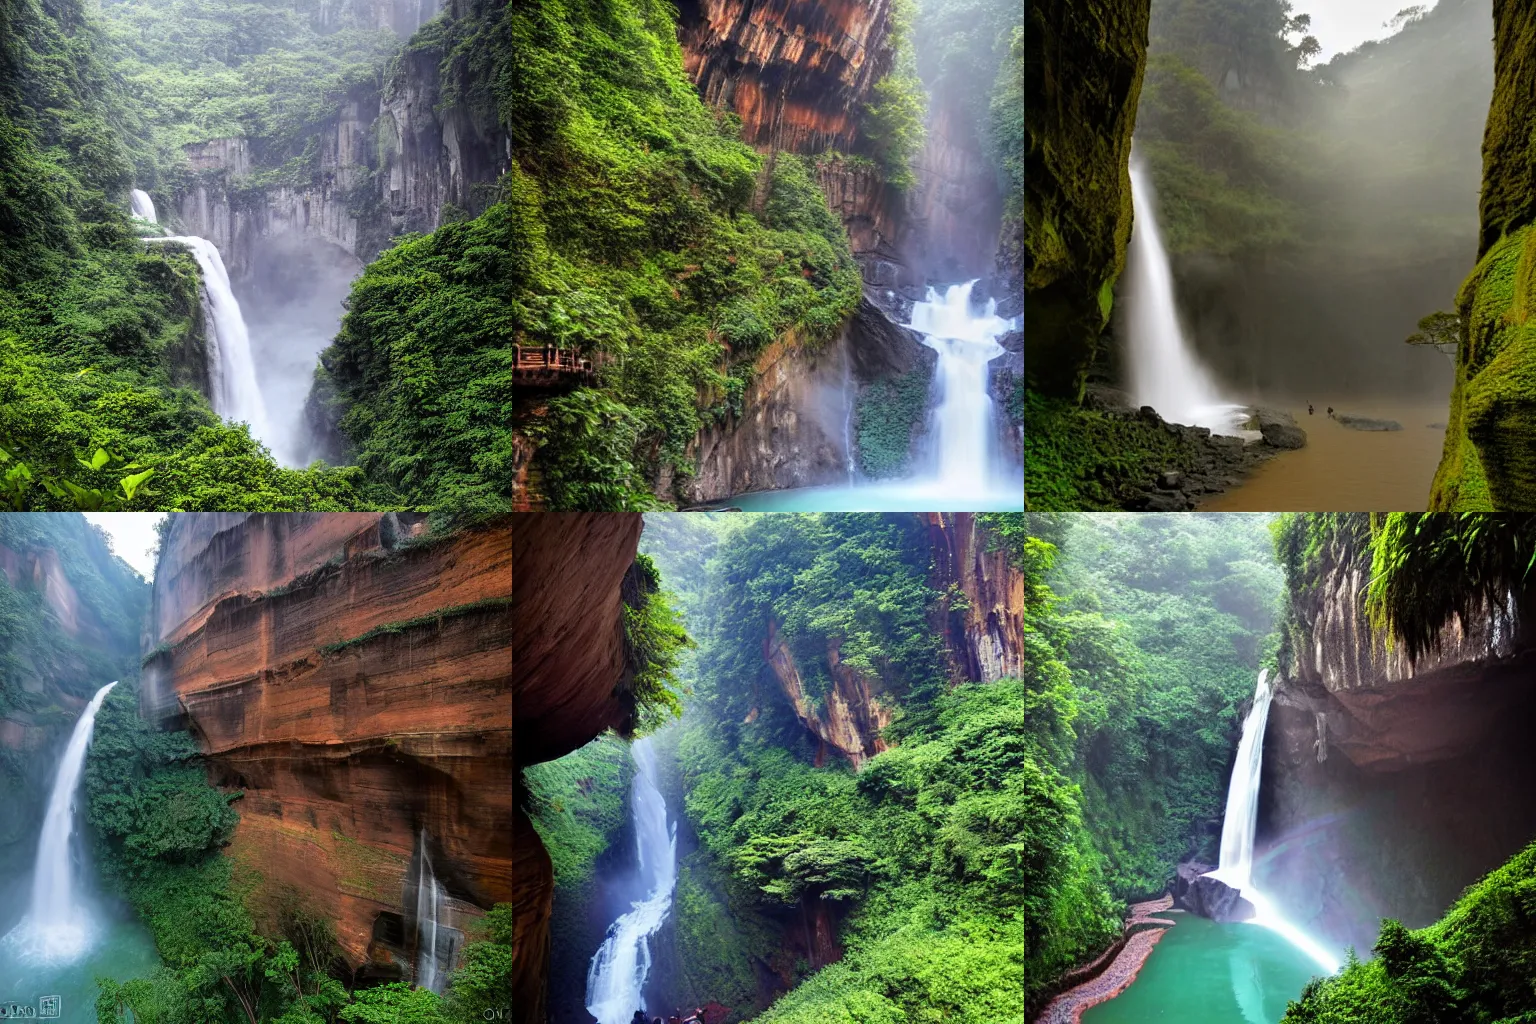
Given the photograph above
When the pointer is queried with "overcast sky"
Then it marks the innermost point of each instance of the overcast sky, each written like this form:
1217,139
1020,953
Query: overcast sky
133,537
1342,25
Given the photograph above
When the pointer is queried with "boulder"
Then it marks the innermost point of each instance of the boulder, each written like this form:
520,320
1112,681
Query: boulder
1279,428
1184,876
1366,423
1210,897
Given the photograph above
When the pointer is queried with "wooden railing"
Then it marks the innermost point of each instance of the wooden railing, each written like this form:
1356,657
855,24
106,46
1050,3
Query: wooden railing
547,365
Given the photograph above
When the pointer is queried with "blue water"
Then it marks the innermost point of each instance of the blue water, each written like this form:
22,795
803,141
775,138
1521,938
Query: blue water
1203,972
880,497
123,949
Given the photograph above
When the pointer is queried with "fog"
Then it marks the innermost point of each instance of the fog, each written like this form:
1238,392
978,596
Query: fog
1387,152
292,298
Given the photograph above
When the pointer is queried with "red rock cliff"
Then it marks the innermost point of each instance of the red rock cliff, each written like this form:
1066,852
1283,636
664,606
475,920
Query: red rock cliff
568,675
353,678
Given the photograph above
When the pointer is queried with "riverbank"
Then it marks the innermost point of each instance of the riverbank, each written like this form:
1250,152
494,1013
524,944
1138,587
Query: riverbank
1344,468
1113,972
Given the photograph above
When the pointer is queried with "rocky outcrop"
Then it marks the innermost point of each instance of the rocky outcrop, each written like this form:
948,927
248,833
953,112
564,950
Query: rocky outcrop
351,675
568,681
1083,65
797,426
984,626
799,74
1211,897
849,716
1389,785
1490,459
796,73
392,160
956,209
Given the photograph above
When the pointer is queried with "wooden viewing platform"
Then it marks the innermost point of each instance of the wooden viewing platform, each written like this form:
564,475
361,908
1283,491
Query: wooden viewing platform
545,366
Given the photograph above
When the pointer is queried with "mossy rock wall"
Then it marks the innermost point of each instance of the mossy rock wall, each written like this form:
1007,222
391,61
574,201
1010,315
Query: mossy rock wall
1083,66
1490,447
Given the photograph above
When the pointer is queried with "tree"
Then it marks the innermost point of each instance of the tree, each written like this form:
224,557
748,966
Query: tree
1440,329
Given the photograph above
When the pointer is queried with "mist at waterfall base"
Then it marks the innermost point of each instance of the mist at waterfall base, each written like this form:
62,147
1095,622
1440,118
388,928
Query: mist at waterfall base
59,933
1164,372
960,467
1241,822
616,978
292,294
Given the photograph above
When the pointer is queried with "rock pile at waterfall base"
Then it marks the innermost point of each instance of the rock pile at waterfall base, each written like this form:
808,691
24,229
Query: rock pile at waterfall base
1210,897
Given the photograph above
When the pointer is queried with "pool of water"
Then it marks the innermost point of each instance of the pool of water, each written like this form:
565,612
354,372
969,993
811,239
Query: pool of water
122,949
882,497
1203,972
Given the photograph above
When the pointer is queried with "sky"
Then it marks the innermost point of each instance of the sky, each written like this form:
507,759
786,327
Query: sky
133,537
1342,25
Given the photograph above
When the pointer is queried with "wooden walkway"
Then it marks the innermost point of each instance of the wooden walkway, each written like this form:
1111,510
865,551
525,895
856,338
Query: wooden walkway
545,366
1105,981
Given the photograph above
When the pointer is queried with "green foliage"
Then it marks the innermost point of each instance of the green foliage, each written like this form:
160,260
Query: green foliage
394,1003
893,119
631,234
1078,459
577,805
1437,328
1474,964
888,412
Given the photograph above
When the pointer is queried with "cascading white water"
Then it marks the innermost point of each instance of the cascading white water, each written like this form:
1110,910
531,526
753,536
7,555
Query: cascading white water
231,371
966,341
1165,374
616,979
58,928
429,908
1241,821
143,207
849,394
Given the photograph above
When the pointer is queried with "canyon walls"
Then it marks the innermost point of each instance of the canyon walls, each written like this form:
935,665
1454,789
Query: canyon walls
570,671
984,627
1083,67
350,673
1389,786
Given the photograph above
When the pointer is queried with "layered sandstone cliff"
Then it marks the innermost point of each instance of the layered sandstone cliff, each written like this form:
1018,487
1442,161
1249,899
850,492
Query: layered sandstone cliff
848,718
569,680
351,675
1388,785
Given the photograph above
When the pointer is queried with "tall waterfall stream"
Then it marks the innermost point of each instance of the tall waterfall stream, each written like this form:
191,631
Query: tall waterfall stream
617,976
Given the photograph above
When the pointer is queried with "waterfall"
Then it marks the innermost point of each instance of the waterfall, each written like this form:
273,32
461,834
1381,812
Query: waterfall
619,969
962,438
850,393
57,928
1165,374
429,908
143,206
231,370
1237,829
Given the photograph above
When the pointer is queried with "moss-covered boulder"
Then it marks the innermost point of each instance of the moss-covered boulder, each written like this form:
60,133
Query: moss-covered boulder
1083,66
1490,443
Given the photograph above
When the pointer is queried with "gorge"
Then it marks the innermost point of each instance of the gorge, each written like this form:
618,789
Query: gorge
299,803
755,859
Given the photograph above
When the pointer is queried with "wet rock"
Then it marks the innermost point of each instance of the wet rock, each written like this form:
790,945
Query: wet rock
1172,479
1166,501
1106,399
1184,877
1279,428
1366,422
1210,897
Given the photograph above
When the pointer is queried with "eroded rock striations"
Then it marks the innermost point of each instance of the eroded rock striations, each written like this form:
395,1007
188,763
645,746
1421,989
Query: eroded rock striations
352,676
985,627
570,676
1389,786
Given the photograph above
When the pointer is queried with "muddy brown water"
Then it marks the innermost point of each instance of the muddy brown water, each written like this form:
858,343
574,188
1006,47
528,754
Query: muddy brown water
1344,470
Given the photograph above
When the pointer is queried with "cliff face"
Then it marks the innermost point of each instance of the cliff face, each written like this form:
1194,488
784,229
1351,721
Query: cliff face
985,626
956,210
1489,461
568,667
798,74
850,717
1083,64
353,678
391,160
797,426
1389,786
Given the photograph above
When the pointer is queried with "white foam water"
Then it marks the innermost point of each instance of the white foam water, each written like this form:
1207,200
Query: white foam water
1165,373
142,206
58,928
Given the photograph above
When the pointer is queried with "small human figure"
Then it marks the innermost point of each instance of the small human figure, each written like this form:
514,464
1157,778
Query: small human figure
1330,410
1309,408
